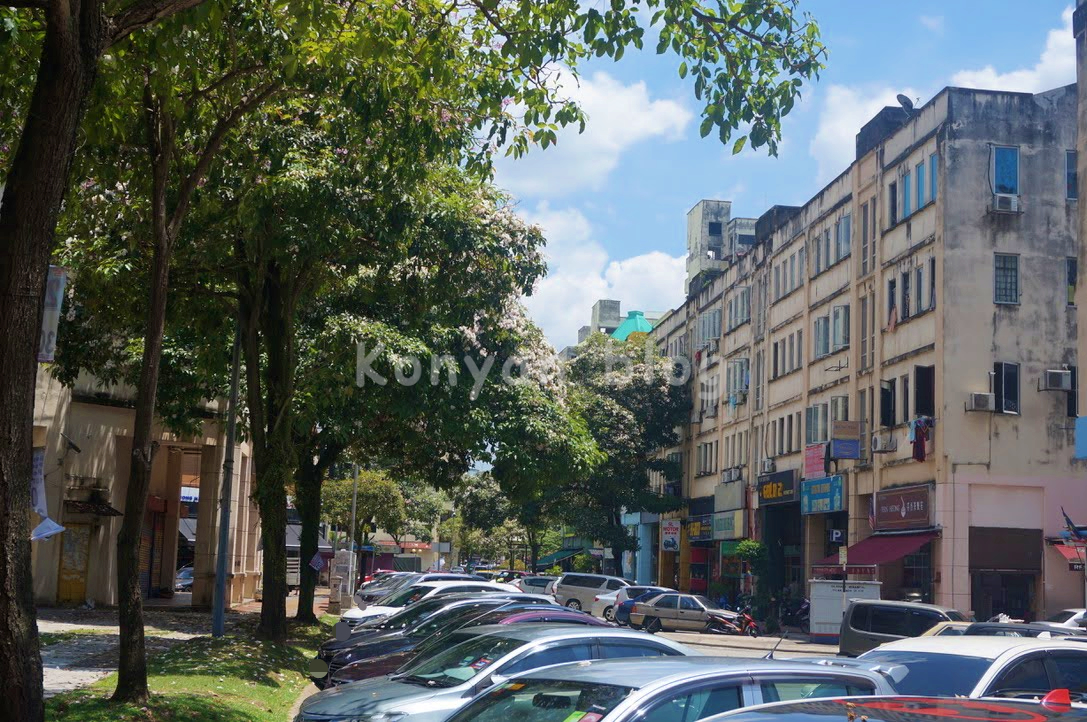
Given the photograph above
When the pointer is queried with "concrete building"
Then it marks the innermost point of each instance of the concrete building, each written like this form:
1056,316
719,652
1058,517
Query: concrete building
86,480
895,368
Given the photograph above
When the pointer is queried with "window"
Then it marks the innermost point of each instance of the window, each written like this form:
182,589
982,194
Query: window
800,348
921,621
906,195
1007,278
815,424
872,236
689,604
842,240
892,204
775,368
905,398
932,283
1070,271
887,620
924,390
862,409
1027,676
887,403
817,256
1071,181
904,310
696,705
758,380
781,436
552,655
918,281
792,272
792,353
864,239
1071,670
789,433
932,176
892,301
797,688
919,171
839,408
621,649
1006,170
840,326
1006,387
1073,403
715,228
777,282
822,336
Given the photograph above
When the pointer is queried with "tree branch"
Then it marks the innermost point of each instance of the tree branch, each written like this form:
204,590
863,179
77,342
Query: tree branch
142,13
232,75
32,4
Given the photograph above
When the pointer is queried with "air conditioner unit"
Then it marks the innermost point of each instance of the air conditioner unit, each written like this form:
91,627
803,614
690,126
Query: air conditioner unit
883,444
1056,380
981,402
735,473
1005,203
767,466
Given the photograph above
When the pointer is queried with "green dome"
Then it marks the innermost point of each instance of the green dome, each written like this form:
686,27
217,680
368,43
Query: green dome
635,322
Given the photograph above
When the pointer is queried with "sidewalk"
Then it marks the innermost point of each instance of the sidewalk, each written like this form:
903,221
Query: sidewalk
798,645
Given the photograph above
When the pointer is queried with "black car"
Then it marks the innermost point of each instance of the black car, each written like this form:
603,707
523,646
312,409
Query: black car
907,709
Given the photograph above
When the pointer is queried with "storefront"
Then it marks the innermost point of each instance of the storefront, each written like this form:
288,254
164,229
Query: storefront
696,545
671,531
823,506
729,526
899,552
1005,572
782,532
641,565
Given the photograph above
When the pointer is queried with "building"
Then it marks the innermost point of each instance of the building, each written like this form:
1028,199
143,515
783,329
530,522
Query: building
83,435
891,367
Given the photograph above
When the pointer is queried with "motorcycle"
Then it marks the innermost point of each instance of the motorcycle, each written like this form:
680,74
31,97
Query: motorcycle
799,616
725,622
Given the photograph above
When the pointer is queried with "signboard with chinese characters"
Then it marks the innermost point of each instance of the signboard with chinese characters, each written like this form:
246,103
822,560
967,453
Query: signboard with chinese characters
728,525
822,496
815,465
700,528
778,488
670,536
909,507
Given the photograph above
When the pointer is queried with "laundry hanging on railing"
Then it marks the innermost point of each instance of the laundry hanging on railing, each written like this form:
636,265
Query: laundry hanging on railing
918,435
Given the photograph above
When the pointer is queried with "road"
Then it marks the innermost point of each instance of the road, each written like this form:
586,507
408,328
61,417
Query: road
730,646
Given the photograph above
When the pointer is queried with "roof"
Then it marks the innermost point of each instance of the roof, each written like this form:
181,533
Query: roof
639,672
558,556
635,322
984,647
875,551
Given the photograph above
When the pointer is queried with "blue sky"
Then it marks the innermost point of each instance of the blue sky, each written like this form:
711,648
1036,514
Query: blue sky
613,200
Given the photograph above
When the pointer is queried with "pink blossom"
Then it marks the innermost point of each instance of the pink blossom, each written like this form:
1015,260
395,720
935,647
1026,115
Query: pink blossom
506,102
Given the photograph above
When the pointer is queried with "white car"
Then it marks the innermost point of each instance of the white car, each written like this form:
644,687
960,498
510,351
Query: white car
604,605
411,594
982,666
1072,618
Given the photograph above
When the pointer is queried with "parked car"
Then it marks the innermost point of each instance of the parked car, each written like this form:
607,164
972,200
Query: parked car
432,689
384,586
577,591
604,605
688,612
633,594
905,709
457,569
417,592
947,629
662,689
1012,629
868,623
536,584
412,578
509,576
183,579
411,617
1074,618
453,632
981,666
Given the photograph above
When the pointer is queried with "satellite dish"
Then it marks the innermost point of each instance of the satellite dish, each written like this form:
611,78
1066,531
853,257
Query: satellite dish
905,102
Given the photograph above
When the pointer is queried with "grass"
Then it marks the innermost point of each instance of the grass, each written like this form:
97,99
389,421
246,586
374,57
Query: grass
237,678
47,639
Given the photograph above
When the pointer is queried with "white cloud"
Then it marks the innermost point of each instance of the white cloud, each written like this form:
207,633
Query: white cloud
845,109
935,23
619,116
1055,67
581,272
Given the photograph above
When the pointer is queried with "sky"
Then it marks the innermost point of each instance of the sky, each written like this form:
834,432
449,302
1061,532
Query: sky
613,200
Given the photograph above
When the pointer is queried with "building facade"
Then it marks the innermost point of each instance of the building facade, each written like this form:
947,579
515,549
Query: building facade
895,370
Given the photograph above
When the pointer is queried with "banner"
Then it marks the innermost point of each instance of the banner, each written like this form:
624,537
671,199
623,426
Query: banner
54,297
670,536
815,465
318,562
37,483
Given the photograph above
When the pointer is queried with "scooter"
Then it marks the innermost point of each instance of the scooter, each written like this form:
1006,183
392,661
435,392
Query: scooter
799,617
726,622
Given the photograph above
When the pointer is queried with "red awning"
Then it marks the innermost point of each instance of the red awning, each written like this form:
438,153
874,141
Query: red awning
866,555
1072,553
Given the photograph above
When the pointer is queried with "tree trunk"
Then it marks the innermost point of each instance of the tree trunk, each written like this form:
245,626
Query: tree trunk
35,187
307,486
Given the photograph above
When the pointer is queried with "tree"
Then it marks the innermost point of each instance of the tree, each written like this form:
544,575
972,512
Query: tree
379,505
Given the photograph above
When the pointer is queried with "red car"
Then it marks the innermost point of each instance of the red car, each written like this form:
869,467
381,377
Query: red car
383,664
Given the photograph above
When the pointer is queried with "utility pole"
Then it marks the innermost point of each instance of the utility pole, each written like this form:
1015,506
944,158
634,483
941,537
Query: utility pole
219,602
351,534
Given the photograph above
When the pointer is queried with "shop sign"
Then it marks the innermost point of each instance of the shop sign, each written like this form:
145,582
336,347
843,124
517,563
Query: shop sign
778,488
670,536
728,495
700,528
822,496
386,548
906,508
845,448
836,536
415,546
815,465
728,524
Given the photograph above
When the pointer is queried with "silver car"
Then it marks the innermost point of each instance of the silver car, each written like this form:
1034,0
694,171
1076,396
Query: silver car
431,689
578,591
664,689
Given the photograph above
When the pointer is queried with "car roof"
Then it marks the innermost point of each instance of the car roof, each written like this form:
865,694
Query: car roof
903,709
644,672
908,605
548,630
446,583
985,647
1023,627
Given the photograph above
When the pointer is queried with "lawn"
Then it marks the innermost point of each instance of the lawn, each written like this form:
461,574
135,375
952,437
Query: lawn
237,678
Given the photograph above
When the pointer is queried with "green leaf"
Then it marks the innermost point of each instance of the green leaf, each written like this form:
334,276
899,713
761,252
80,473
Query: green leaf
739,145
706,127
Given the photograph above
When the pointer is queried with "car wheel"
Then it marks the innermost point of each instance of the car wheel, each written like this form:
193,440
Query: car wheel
574,604
609,614
653,625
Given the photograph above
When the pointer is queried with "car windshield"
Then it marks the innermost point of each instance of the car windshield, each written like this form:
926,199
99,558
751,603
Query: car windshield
413,615
544,700
956,616
435,645
403,597
944,675
461,663
1062,617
